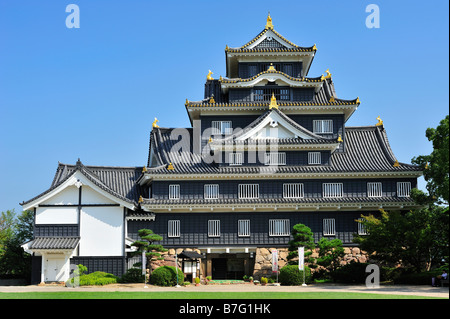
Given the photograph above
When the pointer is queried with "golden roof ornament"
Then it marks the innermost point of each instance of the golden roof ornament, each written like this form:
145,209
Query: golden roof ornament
332,99
357,100
314,47
269,24
209,77
380,122
273,102
141,200
210,140
211,99
328,76
396,164
170,167
154,123
340,140
144,169
271,67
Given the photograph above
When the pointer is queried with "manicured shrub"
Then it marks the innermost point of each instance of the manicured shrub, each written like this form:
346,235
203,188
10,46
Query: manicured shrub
133,275
98,278
350,273
422,278
290,275
166,276
264,280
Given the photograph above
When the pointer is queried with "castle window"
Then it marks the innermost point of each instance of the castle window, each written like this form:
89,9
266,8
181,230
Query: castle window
374,189
173,228
174,191
314,158
211,191
333,190
279,227
403,189
293,190
248,191
235,158
244,227
275,158
362,230
213,228
323,126
222,127
329,227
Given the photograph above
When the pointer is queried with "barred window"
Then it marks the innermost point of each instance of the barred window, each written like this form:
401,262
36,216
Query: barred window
213,228
279,227
248,191
235,158
244,227
314,158
362,230
332,190
173,228
211,191
374,189
293,190
329,227
323,126
174,191
403,189
222,127
275,158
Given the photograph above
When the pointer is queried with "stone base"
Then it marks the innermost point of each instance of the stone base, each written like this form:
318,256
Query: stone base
263,259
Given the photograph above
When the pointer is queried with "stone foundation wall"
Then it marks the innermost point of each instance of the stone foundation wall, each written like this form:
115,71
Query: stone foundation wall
263,259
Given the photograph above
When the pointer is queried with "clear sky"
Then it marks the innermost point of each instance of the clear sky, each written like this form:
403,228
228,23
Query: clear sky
93,92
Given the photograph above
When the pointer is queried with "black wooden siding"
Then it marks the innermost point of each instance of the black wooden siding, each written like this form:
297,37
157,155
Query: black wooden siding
194,227
228,189
247,70
113,265
56,230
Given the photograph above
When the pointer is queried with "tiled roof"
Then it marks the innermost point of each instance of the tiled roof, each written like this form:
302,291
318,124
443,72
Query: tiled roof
118,181
325,96
366,150
55,243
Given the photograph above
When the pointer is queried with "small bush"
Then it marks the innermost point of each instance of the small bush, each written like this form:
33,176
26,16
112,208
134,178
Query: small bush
350,273
197,280
133,275
98,278
166,276
290,275
264,280
422,278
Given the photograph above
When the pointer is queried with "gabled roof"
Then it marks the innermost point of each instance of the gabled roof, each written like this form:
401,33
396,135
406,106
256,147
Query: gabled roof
275,118
367,151
118,182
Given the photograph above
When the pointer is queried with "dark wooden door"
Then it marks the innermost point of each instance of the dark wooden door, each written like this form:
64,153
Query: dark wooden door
219,268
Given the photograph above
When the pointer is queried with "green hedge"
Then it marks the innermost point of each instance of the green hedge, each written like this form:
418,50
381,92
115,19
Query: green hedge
290,275
166,276
422,278
133,275
98,278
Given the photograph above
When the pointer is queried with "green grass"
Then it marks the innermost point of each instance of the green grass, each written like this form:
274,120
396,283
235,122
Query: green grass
203,295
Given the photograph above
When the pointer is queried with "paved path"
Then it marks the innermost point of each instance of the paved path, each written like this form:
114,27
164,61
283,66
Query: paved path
426,291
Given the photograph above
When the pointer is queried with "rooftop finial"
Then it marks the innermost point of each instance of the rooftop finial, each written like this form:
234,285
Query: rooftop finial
269,24
380,122
209,77
154,123
273,102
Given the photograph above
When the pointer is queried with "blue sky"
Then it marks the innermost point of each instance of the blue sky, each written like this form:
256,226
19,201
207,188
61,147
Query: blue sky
92,93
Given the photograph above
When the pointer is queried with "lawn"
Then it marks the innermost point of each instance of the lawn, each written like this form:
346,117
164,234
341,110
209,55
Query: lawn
202,295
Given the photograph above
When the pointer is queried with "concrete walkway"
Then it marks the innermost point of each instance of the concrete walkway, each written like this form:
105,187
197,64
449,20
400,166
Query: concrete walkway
426,291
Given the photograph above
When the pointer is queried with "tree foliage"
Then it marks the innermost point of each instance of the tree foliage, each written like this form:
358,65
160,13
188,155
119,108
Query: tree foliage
302,237
416,239
148,245
330,253
435,166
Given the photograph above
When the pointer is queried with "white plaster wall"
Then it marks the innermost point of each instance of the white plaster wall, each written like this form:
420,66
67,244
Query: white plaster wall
56,215
90,196
101,231
68,196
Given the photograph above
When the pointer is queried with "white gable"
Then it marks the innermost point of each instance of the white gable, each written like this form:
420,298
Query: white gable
271,36
273,126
